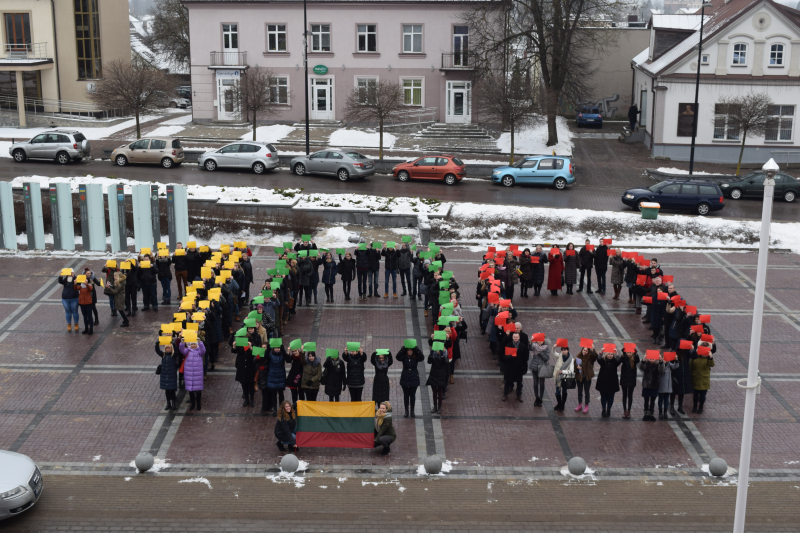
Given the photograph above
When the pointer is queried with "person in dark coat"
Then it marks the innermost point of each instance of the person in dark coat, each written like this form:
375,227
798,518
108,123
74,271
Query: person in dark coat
362,269
328,276
374,270
168,381
312,372
618,266
409,377
335,377
356,361
629,362
316,263
293,380
247,270
392,258
193,263
607,381
384,430
437,378
163,265
347,270
537,270
131,288
286,427
304,269
633,116
601,266
526,276
276,376
148,282
585,263
516,364
556,271
404,268
682,379
116,285
213,323
181,266
651,377
380,383
246,366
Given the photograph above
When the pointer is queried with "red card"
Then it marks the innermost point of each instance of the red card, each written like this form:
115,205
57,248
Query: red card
495,289
489,255
484,267
641,279
647,300
681,303
629,347
628,255
494,282
612,252
705,319
652,354
562,343
492,249
499,321
516,253
607,241
514,246
511,351
590,247
670,356
705,337
534,259
510,328
663,296
499,260
485,275
570,253
538,337
643,261
586,343
667,279
503,315
501,253
493,297
703,351
697,329
505,303
691,309
554,252
609,348
675,299
686,345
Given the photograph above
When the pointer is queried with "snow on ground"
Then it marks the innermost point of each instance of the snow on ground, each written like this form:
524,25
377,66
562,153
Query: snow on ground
534,140
361,139
393,205
92,133
183,119
673,170
165,131
4,146
269,134
158,465
197,480
334,237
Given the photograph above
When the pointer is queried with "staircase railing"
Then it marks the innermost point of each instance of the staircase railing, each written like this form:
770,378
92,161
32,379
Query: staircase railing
415,115
63,108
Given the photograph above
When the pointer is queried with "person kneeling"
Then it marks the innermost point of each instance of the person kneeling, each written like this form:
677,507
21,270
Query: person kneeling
286,427
384,431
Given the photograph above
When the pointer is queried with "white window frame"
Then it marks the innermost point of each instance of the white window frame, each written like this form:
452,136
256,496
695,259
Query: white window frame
739,58
412,79
230,34
276,33
785,122
729,132
779,50
365,34
357,84
704,59
271,85
411,34
319,34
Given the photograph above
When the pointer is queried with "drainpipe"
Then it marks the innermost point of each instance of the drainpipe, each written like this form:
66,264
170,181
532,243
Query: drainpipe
55,49
652,114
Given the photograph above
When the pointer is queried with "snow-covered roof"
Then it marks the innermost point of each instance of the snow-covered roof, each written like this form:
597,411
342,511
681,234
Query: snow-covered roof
641,57
137,25
159,61
677,22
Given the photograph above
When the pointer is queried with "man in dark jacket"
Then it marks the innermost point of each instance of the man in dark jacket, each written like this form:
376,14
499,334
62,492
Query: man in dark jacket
633,116
374,257
601,266
305,245
131,288
148,281
362,269
390,269
193,264
165,277
181,269
404,266
247,269
515,356
586,261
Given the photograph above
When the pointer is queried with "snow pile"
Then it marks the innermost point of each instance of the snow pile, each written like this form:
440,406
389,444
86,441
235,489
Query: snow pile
269,134
673,170
158,465
447,466
399,205
91,133
291,477
4,146
360,139
334,237
534,140
197,480
165,131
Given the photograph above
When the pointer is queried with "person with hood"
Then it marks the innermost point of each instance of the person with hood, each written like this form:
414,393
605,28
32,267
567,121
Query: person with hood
618,266
85,302
404,267
286,427
193,372
148,282
601,266
651,379
246,366
362,269
168,380
293,380
563,368
586,258
356,361
584,373
115,288
571,263
409,377
629,362
607,381
69,299
515,355
384,430
555,273
347,270
633,116
538,363
391,258
163,267
329,276
526,269
380,383
335,377
701,377
276,359
312,372
437,378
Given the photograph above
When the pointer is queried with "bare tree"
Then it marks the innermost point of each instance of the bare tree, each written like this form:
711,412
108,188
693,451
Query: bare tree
168,31
259,94
377,102
746,115
135,87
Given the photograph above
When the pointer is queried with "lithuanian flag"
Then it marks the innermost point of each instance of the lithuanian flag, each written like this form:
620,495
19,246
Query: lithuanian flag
335,424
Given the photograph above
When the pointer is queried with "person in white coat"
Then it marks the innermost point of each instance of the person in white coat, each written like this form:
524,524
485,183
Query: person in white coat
563,368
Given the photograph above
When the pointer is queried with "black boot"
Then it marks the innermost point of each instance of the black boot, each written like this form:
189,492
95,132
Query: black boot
411,407
281,447
694,406
191,404
558,403
700,407
199,400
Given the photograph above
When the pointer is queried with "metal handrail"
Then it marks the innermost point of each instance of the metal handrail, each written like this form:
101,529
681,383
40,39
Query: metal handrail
233,59
48,106
414,115
457,60
25,51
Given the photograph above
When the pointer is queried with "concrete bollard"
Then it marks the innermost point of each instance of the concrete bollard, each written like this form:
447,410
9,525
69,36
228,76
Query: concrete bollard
717,467
290,463
433,465
576,466
144,462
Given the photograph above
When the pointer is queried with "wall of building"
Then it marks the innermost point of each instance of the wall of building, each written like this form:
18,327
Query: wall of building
41,19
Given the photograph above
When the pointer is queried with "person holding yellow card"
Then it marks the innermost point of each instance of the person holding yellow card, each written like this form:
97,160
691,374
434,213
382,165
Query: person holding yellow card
115,288
130,269
193,352
69,297
163,266
181,264
168,379
148,282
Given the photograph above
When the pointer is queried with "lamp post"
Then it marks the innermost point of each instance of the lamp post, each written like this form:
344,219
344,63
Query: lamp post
305,65
753,381
697,85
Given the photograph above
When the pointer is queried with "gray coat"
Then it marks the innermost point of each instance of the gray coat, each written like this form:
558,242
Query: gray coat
404,258
540,355
665,381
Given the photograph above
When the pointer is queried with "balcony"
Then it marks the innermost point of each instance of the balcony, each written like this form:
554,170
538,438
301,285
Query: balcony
228,59
457,61
24,54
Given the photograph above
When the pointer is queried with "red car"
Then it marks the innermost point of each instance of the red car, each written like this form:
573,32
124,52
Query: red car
432,167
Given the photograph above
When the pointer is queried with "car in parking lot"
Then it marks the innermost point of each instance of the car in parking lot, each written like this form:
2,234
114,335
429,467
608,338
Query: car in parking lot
540,169
698,196
165,151
439,167
752,185
21,483
177,101
344,164
258,156
589,116
62,146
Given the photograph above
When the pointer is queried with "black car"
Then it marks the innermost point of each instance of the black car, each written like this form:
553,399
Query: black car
752,185
698,196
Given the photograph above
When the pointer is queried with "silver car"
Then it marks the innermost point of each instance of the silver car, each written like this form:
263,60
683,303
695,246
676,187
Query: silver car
62,146
261,157
20,483
344,164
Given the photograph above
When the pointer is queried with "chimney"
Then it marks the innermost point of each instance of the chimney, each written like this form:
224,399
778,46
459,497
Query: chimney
633,18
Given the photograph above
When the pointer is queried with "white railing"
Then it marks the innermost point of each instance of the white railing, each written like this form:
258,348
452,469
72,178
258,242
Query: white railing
47,106
25,51
415,115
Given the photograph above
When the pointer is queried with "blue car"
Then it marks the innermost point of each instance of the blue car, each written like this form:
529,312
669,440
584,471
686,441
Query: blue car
699,196
589,116
540,170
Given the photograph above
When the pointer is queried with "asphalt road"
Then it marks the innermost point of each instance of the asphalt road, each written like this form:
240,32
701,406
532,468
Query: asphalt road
605,169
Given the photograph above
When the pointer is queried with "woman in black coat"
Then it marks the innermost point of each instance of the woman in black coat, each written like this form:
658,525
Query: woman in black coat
526,278
347,270
356,361
437,379
286,427
168,381
295,374
627,379
681,379
335,378
409,377
607,381
380,383
571,263
537,270
246,366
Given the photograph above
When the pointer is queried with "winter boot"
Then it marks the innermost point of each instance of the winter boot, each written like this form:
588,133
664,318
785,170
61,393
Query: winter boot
580,406
281,447
199,400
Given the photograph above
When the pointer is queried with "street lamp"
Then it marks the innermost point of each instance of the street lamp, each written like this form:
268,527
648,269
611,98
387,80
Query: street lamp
305,66
697,83
753,381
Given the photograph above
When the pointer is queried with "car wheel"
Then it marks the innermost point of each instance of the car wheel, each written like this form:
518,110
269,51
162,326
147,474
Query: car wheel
703,209
639,205
166,162
121,161
789,196
403,176
343,175
258,167
508,181
19,155
560,184
300,169
210,165
62,158
736,194
450,179
173,104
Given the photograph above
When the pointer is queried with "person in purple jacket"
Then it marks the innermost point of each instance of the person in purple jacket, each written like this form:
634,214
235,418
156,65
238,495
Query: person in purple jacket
193,372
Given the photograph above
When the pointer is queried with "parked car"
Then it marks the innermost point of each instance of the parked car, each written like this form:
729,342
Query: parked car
261,157
441,167
177,101
61,145
184,91
589,116
752,185
699,196
163,150
344,164
541,169
21,483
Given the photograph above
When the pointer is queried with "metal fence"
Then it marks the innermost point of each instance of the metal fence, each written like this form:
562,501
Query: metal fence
233,59
415,115
25,51
59,108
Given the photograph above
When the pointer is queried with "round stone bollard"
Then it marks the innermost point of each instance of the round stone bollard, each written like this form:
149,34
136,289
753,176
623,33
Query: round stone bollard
433,465
717,467
290,463
576,466
143,462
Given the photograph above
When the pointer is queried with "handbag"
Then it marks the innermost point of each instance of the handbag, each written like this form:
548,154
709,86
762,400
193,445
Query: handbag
323,380
569,382
108,291
158,370
423,289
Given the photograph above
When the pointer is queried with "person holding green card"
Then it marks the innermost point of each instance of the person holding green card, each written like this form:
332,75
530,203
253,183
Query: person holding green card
356,360
404,267
374,256
362,269
296,370
334,375
243,343
275,363
347,270
437,378
305,243
410,356
381,359
391,256
312,372
304,269
329,269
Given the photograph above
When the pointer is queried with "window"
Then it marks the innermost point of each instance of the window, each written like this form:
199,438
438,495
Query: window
230,149
141,144
529,163
708,190
155,144
42,138
276,37
320,37
725,125
740,54
367,38
335,155
779,123
776,54
704,59
279,90
18,31
675,188
248,148
427,162
412,38
441,161
319,155
366,90
175,143
689,189
550,164
230,36
412,92
87,35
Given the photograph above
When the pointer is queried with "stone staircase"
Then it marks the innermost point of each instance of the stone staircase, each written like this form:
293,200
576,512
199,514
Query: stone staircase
465,137
628,136
335,124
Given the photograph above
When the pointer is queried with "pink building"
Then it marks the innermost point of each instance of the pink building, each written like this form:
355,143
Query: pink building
418,43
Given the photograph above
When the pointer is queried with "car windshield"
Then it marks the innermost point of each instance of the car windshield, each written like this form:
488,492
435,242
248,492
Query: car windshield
458,162
749,175
657,186
518,163
356,155
79,138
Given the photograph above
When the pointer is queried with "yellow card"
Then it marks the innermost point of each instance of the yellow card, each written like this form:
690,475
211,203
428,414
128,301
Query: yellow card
180,251
111,263
189,336
126,265
191,244
198,284
192,326
228,265
236,256
166,328
66,271
177,326
161,245
205,273
204,249
179,317
219,279
214,297
209,264
225,249
145,264
146,251
163,253
199,317
133,261
80,279
203,304
187,304
225,273
216,255
164,341
215,290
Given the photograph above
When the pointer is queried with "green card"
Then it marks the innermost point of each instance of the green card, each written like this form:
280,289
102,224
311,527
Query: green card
414,248
324,250
258,351
283,271
330,352
341,251
305,238
447,274
391,244
444,285
266,293
433,268
438,347
406,238
252,314
435,249
447,309
280,263
377,245
410,343
274,285
313,253
437,264
431,244
272,272
451,318
275,343
279,250
250,322
444,297
241,333
443,321
439,335
310,347
287,245
353,346
382,351
242,341
362,246
426,255
291,255
258,300
302,253
296,344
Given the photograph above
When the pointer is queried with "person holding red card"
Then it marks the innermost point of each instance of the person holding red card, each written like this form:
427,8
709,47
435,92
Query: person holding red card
526,272
571,263
701,375
601,265
618,266
627,376
607,380
563,372
584,372
516,365
631,275
555,274
586,262
540,355
651,369
665,386
538,260
682,376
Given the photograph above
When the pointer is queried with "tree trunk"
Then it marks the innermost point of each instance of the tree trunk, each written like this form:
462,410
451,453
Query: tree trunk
552,106
741,152
513,127
138,129
254,125
380,139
